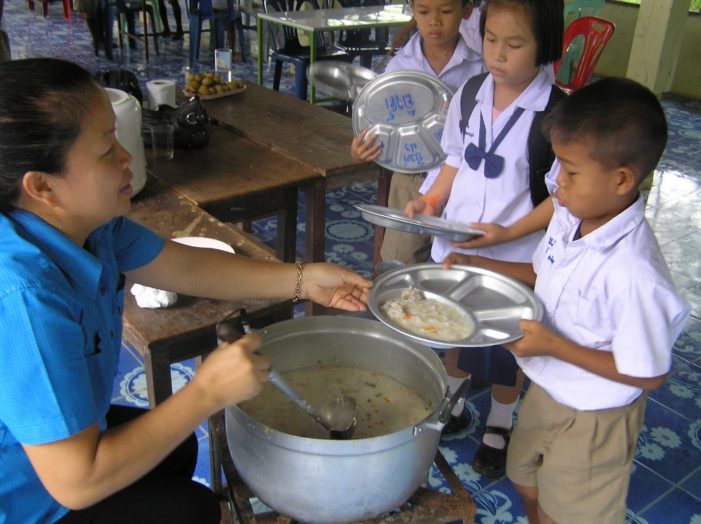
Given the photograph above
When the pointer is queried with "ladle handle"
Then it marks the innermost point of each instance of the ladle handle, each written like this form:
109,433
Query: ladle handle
276,380
234,327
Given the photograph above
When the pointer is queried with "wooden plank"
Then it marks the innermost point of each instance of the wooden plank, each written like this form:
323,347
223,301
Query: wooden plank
304,132
229,167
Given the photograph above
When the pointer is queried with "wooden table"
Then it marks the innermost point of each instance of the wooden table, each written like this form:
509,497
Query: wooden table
186,329
312,137
314,21
234,179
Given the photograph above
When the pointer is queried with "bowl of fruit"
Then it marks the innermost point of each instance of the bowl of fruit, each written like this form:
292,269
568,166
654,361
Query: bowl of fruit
209,86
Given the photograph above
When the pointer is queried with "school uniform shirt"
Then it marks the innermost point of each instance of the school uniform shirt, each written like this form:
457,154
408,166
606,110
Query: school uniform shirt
463,65
501,200
61,327
609,290
470,31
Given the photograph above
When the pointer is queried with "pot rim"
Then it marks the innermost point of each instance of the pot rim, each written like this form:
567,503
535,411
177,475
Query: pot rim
288,328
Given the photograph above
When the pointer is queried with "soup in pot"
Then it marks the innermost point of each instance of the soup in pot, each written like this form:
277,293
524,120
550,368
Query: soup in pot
384,404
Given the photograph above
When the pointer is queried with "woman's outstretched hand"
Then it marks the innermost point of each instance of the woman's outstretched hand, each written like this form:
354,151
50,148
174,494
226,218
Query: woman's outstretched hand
335,286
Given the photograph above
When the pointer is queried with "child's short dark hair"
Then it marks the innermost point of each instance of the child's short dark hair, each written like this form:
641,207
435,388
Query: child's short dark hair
622,121
547,24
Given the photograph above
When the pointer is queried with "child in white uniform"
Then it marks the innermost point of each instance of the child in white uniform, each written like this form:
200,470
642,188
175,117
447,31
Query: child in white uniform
612,313
437,49
521,39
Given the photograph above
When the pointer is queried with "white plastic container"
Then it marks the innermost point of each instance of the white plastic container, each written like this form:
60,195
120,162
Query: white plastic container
128,113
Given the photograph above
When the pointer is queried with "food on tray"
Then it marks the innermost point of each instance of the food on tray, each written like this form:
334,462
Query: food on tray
426,316
384,404
205,84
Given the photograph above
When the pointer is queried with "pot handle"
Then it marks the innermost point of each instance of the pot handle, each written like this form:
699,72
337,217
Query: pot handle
445,413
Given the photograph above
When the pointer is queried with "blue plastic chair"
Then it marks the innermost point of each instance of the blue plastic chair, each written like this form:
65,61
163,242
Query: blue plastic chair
201,10
125,11
291,50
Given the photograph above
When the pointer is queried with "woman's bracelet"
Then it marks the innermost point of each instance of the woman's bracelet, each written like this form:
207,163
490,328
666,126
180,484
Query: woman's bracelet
298,282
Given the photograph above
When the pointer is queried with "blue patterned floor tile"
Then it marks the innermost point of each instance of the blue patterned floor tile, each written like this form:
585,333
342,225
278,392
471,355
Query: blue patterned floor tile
668,443
678,507
499,504
692,485
681,392
645,487
202,472
688,345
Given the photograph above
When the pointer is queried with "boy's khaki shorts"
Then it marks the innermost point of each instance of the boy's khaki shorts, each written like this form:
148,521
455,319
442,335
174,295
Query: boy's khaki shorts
580,461
410,248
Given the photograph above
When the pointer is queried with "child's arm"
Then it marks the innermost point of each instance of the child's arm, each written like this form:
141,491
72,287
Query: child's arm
363,150
519,270
536,220
538,340
435,198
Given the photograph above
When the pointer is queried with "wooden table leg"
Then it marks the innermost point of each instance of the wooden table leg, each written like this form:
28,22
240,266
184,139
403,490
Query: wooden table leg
157,370
315,228
383,182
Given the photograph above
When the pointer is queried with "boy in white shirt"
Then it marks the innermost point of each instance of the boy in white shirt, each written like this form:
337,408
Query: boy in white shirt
438,49
612,313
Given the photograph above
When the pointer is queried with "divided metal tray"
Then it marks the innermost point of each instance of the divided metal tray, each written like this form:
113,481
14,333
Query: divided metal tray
491,303
406,110
422,224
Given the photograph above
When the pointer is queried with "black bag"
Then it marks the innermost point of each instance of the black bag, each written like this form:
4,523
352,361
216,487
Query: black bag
540,153
120,79
190,119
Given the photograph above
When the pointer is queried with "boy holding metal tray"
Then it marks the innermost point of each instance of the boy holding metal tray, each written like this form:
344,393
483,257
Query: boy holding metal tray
439,49
612,313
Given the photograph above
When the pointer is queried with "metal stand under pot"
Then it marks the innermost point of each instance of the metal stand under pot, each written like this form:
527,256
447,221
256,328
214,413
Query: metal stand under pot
426,505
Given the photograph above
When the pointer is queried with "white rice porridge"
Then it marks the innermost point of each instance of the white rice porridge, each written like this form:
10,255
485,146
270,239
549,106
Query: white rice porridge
427,316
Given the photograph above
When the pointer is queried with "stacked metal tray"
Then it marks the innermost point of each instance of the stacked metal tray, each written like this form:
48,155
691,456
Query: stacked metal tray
340,79
406,111
422,224
491,304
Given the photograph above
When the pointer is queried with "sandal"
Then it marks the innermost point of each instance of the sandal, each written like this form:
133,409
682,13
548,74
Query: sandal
491,462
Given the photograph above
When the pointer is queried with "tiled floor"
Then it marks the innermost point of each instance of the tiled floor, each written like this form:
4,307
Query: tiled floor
666,482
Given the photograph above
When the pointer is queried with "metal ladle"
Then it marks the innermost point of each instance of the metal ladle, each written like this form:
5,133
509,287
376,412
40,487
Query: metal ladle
338,417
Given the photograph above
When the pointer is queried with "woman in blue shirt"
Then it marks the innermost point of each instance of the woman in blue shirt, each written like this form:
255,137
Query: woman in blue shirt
64,190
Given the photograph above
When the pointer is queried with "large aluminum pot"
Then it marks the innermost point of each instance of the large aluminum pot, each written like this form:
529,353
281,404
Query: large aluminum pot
315,480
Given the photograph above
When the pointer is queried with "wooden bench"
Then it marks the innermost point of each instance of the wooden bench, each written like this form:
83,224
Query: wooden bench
187,329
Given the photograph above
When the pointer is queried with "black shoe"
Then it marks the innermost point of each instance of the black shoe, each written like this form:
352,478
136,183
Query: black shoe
491,462
178,35
459,423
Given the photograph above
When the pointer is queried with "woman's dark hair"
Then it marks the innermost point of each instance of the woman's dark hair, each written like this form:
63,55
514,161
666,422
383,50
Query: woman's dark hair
547,24
621,122
43,102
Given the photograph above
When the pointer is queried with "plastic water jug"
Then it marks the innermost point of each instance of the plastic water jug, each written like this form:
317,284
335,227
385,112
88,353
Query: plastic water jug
128,113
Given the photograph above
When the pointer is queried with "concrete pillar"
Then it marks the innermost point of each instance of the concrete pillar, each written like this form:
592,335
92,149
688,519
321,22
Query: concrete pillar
656,42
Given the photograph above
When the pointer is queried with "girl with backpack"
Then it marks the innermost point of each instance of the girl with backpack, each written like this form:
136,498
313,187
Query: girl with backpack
487,177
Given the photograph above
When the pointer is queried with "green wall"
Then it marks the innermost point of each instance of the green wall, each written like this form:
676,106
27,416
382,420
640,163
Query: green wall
614,59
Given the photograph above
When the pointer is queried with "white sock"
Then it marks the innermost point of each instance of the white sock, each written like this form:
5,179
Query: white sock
454,383
501,416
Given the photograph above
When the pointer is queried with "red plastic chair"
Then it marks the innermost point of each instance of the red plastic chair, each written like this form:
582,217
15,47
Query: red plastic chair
45,7
583,42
